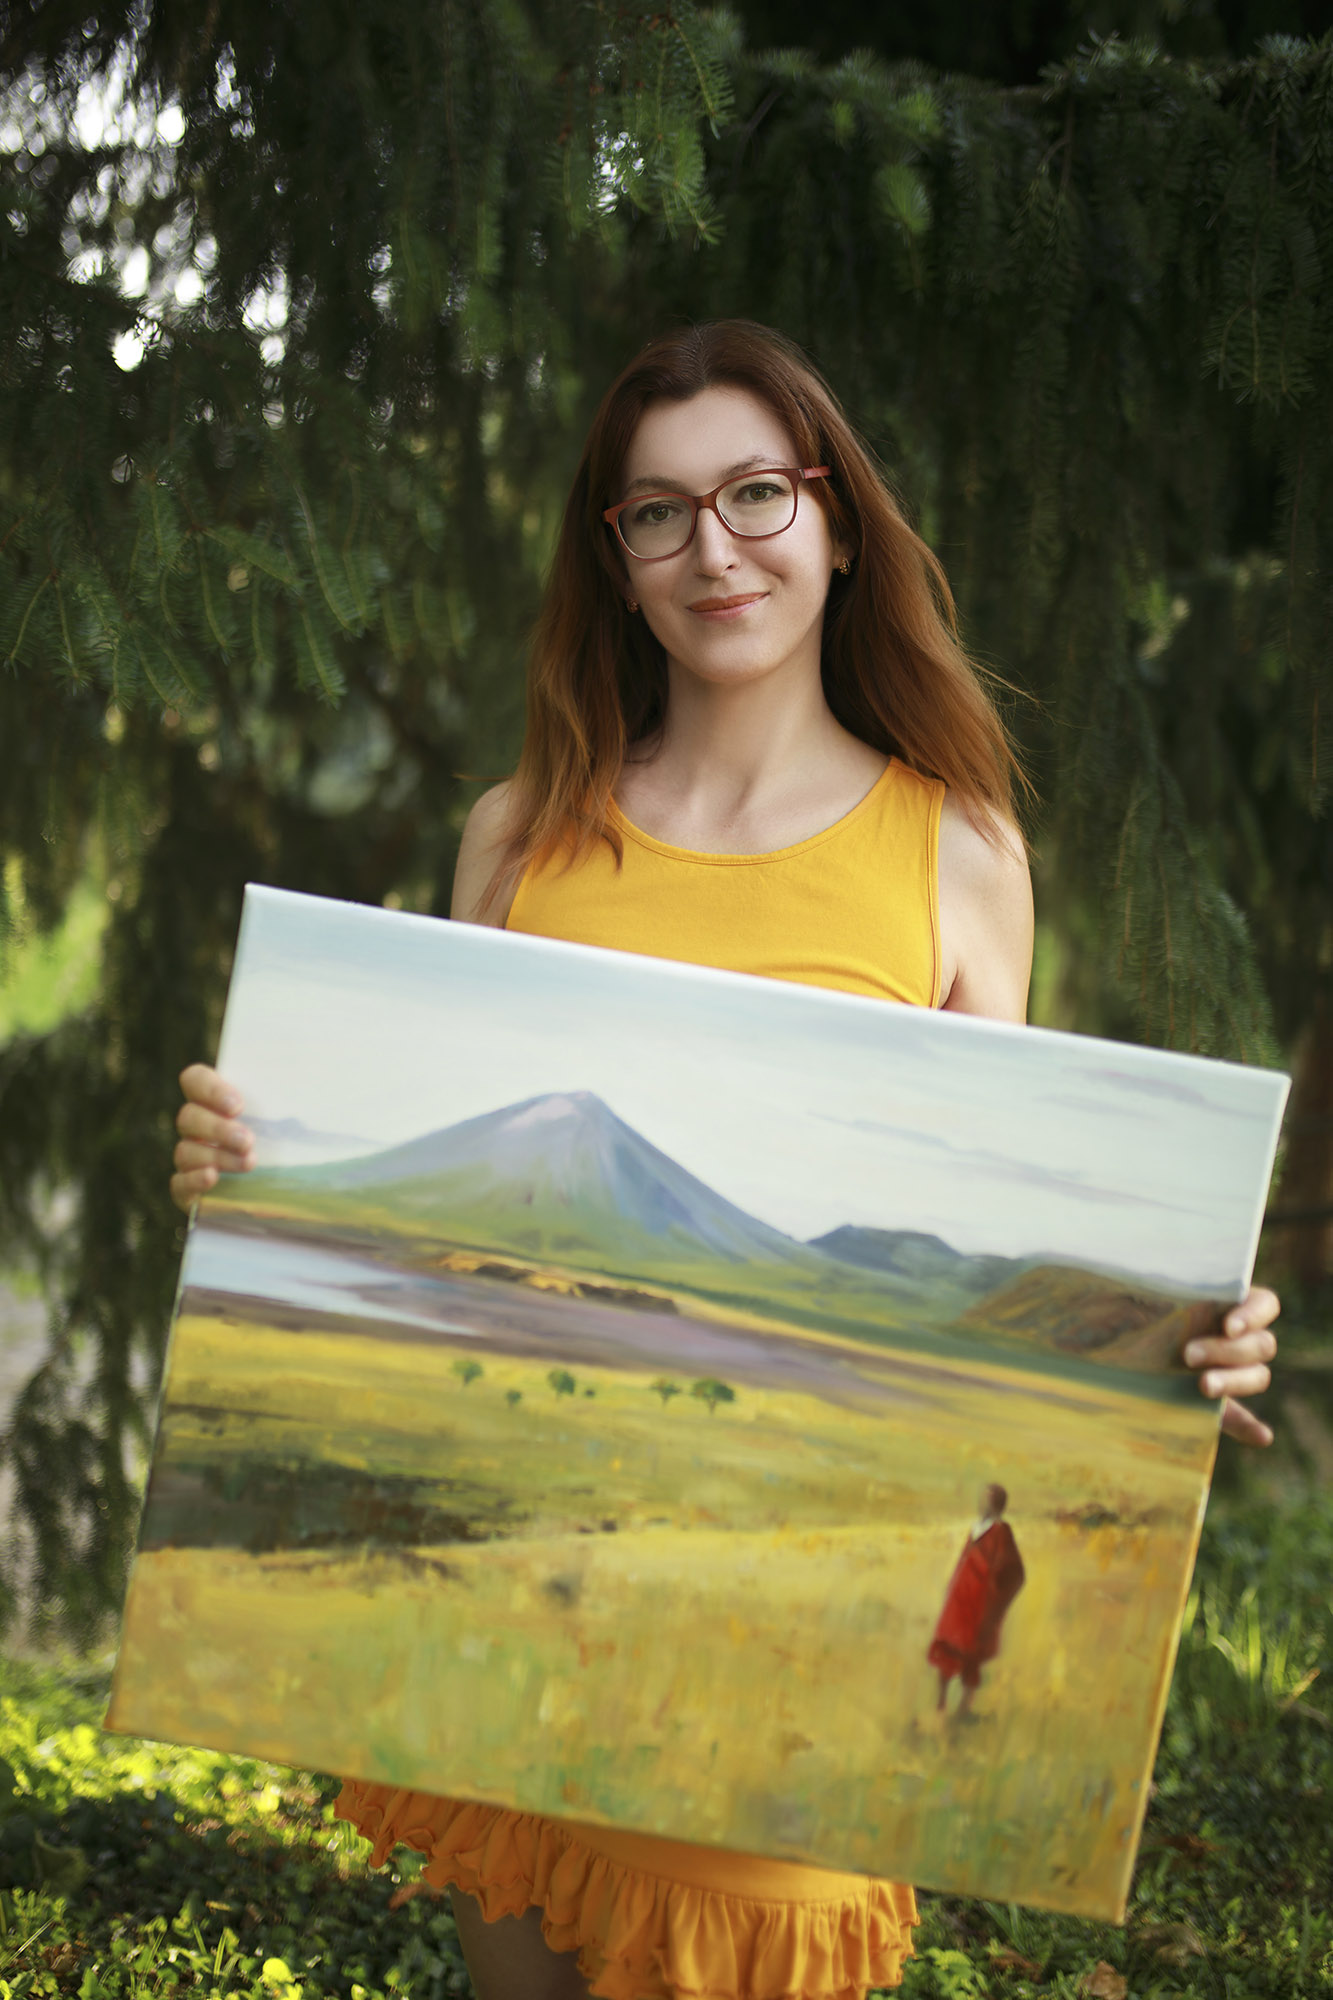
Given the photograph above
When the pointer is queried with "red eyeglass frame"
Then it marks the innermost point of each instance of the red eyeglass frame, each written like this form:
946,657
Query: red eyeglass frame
698,501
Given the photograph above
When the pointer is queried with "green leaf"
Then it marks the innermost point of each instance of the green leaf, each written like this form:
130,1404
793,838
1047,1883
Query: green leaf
259,552
316,664
329,571
901,198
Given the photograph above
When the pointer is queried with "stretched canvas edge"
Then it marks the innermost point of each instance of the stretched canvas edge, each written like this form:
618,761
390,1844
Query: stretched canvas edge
110,1724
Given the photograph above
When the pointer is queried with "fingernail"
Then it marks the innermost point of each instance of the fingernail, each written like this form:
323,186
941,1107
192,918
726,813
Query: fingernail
1211,1385
1236,1323
1194,1354
231,1100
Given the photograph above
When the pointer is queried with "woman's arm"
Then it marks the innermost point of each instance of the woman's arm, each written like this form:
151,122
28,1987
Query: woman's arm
985,919
986,946
484,836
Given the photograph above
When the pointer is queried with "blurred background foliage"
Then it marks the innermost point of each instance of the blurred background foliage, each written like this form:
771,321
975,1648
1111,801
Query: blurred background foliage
303,311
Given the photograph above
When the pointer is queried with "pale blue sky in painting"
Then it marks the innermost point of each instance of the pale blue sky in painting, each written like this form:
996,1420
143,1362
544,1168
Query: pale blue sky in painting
807,1108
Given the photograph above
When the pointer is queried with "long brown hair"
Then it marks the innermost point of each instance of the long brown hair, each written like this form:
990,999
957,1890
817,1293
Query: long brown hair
894,672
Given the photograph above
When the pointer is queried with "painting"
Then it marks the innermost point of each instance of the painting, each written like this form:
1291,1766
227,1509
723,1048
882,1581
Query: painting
702,1404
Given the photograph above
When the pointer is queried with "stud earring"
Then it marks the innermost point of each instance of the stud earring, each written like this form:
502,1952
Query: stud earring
845,566
631,604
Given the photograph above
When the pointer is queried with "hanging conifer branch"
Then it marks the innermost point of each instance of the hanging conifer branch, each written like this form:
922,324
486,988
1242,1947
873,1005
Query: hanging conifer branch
289,391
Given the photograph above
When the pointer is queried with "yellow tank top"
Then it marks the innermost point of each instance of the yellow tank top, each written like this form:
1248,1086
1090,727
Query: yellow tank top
855,907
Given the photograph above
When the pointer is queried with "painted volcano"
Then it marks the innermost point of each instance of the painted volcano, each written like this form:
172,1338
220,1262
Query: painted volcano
559,1175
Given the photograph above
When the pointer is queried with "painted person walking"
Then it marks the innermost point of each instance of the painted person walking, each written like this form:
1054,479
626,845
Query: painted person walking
987,1578
754,741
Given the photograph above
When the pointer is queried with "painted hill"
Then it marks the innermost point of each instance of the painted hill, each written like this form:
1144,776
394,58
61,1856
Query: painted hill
1095,1316
921,1258
294,1132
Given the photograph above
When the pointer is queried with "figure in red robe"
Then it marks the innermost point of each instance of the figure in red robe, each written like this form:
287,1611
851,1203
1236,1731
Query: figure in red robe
987,1578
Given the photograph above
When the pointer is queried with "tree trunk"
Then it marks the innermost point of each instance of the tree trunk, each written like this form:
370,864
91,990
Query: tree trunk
1302,1217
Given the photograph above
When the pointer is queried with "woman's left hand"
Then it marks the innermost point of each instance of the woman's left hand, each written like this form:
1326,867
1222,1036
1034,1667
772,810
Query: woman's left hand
1235,1362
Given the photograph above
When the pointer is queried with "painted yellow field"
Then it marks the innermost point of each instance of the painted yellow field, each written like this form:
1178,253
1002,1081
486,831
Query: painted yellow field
656,1643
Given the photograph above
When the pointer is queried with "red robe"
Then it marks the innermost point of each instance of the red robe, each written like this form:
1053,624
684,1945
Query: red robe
985,1582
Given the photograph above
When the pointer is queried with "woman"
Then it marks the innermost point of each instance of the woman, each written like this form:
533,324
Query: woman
753,741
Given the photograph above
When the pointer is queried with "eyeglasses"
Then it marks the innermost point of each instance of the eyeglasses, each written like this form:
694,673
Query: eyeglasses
653,526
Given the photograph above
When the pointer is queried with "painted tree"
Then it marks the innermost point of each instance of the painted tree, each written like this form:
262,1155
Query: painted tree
468,1371
665,1388
709,1390
303,310
562,1382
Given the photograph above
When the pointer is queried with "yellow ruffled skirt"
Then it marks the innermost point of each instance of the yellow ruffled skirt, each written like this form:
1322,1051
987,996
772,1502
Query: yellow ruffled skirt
653,1919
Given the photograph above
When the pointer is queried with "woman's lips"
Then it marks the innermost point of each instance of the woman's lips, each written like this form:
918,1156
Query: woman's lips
726,607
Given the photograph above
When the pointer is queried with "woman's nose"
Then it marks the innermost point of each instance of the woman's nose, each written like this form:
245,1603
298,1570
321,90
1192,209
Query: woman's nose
714,543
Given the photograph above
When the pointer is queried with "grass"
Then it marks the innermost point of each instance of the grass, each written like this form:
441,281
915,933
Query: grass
145,1872
140,1869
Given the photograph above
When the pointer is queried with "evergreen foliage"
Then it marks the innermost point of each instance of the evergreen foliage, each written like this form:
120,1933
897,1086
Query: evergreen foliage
302,311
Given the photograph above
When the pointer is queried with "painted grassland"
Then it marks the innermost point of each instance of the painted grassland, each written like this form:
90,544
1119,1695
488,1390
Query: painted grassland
711,1624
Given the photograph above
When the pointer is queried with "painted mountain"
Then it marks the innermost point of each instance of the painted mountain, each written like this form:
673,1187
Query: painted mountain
556,1176
559,1182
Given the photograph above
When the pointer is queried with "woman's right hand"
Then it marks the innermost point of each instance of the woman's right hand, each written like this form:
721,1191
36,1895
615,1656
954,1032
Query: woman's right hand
212,1139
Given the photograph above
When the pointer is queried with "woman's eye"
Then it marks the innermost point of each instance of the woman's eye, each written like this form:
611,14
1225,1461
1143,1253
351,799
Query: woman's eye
758,492
655,513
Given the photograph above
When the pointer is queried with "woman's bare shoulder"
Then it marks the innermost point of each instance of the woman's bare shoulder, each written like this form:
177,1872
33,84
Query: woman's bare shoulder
485,832
985,914
983,849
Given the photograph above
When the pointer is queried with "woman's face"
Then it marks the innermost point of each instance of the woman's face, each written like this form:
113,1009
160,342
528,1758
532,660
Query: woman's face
728,609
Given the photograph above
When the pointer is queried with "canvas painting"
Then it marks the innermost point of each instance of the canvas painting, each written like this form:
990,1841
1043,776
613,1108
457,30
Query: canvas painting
696,1403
